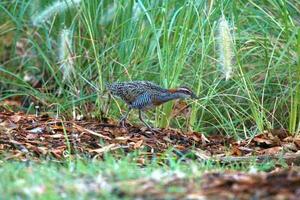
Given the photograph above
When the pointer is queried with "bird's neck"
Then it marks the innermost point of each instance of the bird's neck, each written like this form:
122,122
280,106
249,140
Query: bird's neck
169,96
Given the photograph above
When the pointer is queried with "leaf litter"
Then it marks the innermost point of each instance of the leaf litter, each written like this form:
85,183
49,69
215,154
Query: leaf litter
24,136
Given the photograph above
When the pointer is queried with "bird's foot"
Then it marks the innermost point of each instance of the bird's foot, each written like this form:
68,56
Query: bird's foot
155,130
122,123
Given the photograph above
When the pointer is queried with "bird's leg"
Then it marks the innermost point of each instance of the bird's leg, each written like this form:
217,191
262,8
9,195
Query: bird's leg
123,118
142,120
153,130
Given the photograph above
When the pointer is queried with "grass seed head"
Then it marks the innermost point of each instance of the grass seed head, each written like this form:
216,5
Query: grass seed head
65,55
57,7
225,48
109,15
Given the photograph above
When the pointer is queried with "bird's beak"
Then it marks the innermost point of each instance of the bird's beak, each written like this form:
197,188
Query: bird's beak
193,96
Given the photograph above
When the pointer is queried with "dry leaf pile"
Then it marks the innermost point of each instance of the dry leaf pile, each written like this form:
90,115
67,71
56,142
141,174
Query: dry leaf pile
22,134
42,136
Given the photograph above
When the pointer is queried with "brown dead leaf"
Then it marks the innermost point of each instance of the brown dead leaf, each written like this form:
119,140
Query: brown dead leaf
290,147
180,147
167,139
270,151
122,138
263,141
57,127
42,150
201,154
31,136
16,155
290,139
196,138
10,102
15,118
235,151
204,139
297,142
107,129
106,148
141,160
8,125
138,144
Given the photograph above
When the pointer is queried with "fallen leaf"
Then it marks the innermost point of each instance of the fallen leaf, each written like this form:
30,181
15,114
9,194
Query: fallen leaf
297,142
290,147
262,141
138,144
15,118
180,147
105,148
122,138
236,151
270,151
31,136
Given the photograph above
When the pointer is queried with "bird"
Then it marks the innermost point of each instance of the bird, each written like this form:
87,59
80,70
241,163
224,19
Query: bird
145,95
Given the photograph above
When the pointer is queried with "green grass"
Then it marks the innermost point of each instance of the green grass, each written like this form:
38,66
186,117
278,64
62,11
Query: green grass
94,179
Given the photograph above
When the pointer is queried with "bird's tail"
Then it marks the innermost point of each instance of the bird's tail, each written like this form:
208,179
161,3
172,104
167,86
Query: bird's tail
112,88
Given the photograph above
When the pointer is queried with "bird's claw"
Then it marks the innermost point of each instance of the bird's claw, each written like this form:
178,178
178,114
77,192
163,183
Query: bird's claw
122,123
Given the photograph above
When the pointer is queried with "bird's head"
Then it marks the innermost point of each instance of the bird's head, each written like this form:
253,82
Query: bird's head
184,92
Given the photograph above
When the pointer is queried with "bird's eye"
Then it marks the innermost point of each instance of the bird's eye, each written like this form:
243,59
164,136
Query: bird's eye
186,91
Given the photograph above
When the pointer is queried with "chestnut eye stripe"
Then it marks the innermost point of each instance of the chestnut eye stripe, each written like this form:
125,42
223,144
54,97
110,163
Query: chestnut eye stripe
185,90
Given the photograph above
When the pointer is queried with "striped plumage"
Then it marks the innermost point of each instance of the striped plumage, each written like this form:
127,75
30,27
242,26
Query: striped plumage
144,95
136,94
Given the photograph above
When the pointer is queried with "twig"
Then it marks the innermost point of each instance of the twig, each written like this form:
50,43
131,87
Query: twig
106,148
81,129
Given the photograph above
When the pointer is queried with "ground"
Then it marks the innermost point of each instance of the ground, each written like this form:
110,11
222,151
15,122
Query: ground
167,164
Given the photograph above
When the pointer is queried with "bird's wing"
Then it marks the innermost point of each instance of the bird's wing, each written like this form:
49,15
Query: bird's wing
142,101
152,86
127,91
130,91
